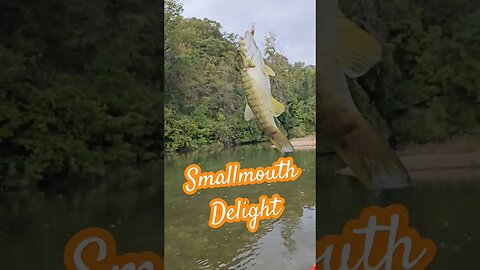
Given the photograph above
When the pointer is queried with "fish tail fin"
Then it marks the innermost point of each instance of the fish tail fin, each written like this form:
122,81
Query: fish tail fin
371,158
281,142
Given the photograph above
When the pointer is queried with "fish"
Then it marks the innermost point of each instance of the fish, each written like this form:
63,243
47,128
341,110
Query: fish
343,48
260,104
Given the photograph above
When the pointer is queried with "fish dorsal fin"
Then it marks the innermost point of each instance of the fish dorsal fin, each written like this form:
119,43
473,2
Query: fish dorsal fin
268,71
359,51
248,115
277,107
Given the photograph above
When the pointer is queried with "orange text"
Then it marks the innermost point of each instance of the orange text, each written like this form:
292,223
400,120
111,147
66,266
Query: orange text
281,170
95,249
379,239
243,210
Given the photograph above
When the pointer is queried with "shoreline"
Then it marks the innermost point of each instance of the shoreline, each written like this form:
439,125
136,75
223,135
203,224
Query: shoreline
299,143
454,159
308,142
304,143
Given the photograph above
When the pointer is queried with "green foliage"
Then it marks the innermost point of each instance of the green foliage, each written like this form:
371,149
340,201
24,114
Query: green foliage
427,87
205,101
80,82
78,88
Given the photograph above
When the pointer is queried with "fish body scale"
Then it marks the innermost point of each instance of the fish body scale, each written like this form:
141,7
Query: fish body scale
256,100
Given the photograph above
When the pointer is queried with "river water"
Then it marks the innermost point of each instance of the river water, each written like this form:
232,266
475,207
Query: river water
445,210
284,243
34,229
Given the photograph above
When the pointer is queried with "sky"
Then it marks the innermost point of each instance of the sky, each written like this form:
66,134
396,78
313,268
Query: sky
292,21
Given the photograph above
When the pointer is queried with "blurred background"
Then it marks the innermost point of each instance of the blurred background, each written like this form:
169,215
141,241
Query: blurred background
424,96
80,118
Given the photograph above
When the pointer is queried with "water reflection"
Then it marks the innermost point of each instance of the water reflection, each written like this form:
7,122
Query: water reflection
34,229
447,212
284,243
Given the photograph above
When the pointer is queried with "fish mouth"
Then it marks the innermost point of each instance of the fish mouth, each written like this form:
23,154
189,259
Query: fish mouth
247,43
248,39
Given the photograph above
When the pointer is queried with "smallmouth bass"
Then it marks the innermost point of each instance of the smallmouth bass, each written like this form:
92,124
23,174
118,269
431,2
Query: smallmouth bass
256,83
344,48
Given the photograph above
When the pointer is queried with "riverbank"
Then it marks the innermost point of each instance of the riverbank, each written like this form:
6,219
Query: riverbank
304,143
459,144
455,159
